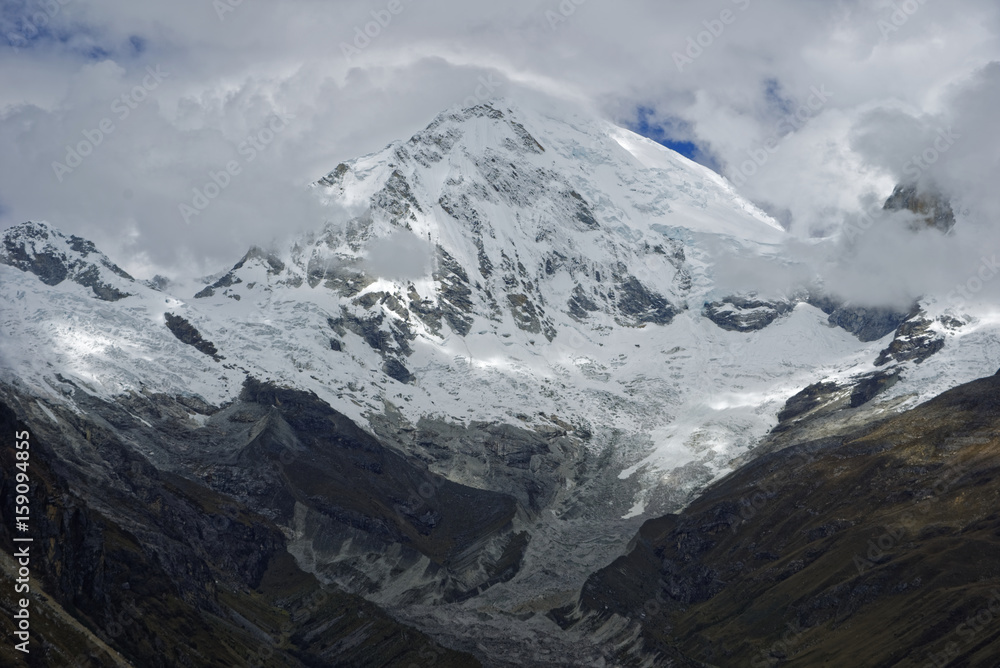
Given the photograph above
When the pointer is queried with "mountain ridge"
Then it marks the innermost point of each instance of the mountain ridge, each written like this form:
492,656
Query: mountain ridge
565,348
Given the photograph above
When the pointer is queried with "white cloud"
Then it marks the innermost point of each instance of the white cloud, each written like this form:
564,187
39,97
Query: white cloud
229,76
400,256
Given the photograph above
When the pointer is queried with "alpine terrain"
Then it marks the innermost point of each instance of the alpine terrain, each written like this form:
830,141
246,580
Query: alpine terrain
506,413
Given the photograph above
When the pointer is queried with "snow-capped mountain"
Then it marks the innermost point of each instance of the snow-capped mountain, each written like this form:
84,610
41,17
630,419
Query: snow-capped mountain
523,299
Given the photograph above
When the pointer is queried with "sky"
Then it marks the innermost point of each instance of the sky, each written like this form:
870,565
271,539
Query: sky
814,109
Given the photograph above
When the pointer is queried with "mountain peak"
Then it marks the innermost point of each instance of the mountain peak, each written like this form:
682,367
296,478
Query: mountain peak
497,114
255,258
540,213
39,248
929,204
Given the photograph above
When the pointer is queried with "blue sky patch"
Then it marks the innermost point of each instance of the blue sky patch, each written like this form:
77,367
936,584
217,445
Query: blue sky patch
672,133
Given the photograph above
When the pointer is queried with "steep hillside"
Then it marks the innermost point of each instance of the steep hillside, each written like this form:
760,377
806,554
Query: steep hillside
873,546
131,566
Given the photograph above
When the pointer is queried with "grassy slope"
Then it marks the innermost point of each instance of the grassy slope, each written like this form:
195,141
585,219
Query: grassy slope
875,548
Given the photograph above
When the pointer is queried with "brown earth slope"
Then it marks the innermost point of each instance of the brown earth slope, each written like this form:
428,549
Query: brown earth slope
878,546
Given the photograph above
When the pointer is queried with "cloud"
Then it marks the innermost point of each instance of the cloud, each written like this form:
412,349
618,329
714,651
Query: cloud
401,256
233,70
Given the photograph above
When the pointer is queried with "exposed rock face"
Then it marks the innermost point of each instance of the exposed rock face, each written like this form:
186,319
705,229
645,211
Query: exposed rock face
870,386
395,370
387,336
350,500
187,333
158,282
933,208
866,323
854,531
53,257
455,302
334,178
146,568
359,514
638,305
517,461
915,341
748,313
807,400
396,200
825,399
506,279
745,314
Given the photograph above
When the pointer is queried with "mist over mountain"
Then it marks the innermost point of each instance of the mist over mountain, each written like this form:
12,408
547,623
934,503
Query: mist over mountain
532,334
543,334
